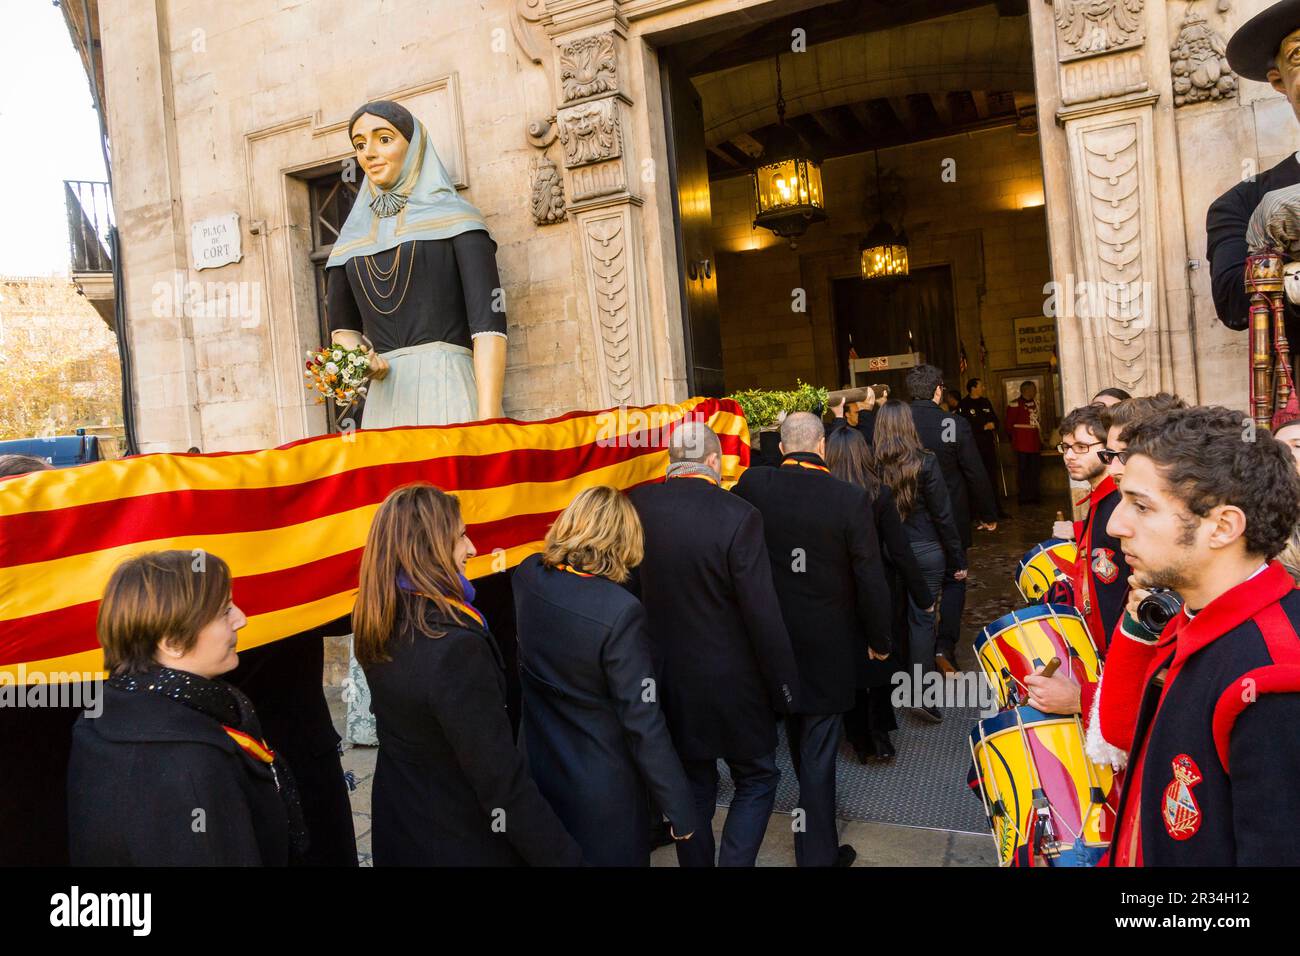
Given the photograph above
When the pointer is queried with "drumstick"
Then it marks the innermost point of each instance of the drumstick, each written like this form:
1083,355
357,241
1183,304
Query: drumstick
1051,667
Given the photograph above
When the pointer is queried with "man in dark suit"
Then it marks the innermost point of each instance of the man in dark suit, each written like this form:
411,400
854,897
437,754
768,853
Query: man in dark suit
1265,48
834,597
727,667
949,436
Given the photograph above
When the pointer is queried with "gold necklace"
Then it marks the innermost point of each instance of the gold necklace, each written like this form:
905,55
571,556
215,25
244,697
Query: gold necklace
377,272
410,270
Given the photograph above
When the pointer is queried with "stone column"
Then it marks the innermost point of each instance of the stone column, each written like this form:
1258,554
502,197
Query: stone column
1110,164
603,204
150,222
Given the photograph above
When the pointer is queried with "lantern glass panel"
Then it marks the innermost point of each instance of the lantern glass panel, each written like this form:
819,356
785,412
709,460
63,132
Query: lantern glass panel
884,261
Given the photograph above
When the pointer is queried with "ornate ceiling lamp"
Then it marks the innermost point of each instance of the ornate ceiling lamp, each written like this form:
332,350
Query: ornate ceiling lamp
788,180
884,251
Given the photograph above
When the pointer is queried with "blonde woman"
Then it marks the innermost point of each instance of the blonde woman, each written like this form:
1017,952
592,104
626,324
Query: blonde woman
591,727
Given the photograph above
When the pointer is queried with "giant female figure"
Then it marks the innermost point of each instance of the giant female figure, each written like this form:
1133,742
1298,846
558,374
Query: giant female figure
413,278
414,272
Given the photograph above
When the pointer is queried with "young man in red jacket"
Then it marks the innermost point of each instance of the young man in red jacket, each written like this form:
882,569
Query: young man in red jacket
1214,772
1100,576
1024,430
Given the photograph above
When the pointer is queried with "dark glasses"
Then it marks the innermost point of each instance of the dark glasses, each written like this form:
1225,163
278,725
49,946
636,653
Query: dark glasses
1107,455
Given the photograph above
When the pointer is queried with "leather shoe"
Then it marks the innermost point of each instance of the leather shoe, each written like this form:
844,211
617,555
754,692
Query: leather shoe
846,855
883,746
930,715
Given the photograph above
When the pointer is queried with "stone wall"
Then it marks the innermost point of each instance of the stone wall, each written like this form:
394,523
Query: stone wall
217,109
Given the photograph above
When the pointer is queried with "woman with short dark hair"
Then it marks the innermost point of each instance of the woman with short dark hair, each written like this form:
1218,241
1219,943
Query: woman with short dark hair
451,788
592,727
174,771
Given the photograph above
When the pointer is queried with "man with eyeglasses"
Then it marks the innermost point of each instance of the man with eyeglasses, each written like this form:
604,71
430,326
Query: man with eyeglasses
1101,572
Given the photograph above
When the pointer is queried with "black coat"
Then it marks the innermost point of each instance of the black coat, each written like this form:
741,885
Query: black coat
706,584
1225,229
979,412
152,782
451,788
931,520
283,679
828,572
591,722
959,461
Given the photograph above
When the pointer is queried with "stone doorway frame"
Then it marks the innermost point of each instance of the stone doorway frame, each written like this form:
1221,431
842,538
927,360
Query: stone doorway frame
1105,110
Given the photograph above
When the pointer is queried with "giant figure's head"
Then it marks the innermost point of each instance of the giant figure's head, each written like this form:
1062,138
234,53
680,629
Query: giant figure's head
381,133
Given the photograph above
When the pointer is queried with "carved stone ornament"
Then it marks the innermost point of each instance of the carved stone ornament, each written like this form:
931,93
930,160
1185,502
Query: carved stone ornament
1089,27
590,132
588,67
606,253
1122,302
548,193
1198,63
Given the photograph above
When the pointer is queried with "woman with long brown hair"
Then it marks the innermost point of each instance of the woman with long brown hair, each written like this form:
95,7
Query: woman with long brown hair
912,474
592,727
451,789
868,725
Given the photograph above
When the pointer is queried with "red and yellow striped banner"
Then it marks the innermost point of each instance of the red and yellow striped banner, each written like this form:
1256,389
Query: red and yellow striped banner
291,521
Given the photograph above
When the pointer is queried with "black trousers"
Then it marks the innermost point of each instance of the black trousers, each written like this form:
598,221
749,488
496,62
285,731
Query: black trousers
1028,466
814,743
751,809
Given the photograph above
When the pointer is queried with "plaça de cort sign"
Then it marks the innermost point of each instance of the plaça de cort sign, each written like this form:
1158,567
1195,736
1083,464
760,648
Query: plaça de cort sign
215,241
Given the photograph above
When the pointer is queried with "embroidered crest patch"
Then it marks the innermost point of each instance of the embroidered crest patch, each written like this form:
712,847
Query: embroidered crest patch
1181,812
1104,566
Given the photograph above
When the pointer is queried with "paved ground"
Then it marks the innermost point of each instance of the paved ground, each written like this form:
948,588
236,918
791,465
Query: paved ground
992,593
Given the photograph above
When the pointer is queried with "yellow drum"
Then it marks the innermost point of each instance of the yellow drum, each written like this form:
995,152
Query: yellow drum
1047,803
1044,565
1019,643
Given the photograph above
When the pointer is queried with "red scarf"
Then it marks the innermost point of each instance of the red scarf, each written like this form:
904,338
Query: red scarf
1085,588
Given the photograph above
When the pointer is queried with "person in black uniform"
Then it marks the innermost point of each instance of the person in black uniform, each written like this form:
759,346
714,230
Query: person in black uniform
953,443
1265,48
830,581
1214,771
983,420
728,669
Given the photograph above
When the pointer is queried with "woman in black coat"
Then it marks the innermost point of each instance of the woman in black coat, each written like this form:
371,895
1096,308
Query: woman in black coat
175,771
868,725
912,473
451,788
591,725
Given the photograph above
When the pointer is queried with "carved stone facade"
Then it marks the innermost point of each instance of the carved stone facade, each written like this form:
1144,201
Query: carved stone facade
548,193
1197,63
1088,27
589,132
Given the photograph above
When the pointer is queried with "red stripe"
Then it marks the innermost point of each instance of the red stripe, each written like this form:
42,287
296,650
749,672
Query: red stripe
42,536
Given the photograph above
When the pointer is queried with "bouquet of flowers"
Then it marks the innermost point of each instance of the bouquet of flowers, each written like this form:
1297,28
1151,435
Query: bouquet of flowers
337,373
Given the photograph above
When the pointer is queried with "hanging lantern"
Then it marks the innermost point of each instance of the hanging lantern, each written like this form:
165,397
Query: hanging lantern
883,254
788,180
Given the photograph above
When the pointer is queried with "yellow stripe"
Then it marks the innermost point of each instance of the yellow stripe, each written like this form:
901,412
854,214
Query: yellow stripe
62,582
278,467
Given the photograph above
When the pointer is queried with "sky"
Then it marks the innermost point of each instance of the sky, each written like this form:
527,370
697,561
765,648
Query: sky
48,113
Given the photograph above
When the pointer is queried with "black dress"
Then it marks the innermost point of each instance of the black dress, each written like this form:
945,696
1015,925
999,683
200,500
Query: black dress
152,782
448,290
592,725
451,789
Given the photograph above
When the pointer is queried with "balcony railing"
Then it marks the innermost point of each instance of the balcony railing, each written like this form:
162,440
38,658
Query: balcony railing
90,216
